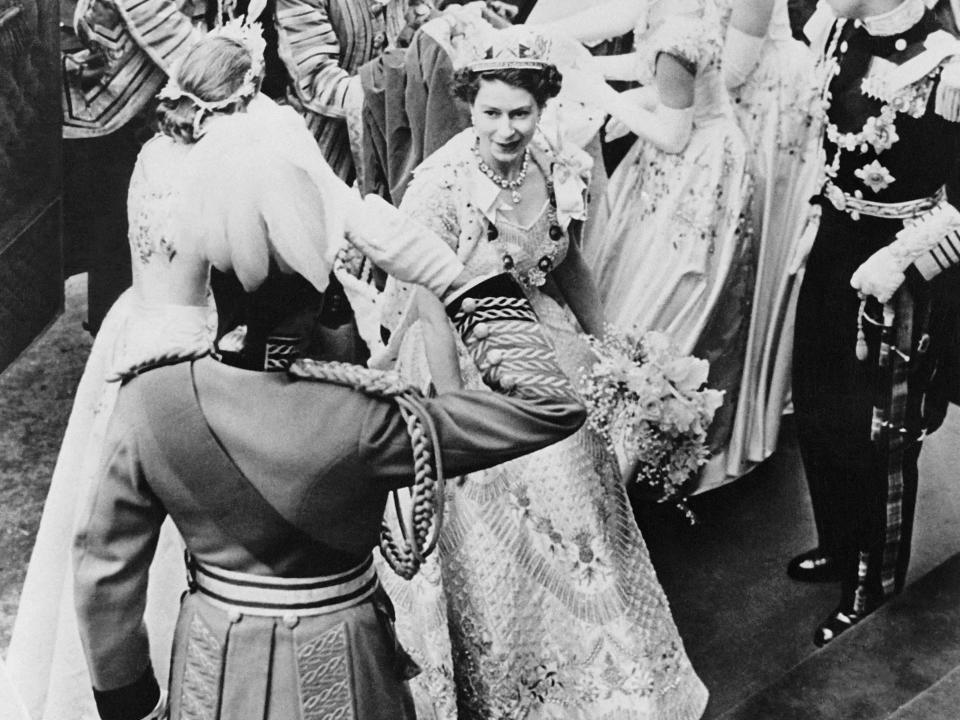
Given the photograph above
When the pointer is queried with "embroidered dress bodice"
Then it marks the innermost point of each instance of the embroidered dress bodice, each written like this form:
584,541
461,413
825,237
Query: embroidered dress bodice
170,312
692,35
160,252
528,245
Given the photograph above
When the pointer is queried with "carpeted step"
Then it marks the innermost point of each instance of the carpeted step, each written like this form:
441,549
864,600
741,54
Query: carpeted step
878,667
939,702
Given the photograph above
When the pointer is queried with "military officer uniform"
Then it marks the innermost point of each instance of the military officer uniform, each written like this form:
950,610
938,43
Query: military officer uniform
868,374
278,483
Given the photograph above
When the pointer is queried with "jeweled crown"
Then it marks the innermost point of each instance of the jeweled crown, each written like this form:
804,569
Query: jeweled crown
514,48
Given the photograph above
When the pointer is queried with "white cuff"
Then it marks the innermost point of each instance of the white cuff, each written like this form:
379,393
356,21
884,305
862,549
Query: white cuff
926,234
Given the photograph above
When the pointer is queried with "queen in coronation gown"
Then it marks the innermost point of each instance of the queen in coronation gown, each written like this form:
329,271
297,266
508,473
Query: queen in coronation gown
541,601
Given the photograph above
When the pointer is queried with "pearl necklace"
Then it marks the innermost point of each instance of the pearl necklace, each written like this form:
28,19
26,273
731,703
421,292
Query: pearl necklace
512,185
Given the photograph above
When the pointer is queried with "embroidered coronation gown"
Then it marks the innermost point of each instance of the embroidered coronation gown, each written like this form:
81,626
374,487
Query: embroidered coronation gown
541,601
675,253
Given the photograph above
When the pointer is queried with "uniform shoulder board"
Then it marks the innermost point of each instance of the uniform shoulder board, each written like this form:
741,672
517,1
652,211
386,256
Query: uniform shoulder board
939,47
948,93
378,383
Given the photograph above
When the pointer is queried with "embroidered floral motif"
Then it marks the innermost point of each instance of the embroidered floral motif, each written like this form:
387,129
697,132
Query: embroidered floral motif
325,677
875,176
200,691
151,216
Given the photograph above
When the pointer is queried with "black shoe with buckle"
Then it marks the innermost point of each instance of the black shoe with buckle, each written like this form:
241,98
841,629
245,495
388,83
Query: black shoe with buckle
814,566
837,623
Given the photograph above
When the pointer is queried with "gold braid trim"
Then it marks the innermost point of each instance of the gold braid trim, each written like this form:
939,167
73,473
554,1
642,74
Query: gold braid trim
420,524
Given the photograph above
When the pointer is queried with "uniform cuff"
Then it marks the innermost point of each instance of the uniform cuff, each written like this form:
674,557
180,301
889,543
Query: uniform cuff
130,702
500,285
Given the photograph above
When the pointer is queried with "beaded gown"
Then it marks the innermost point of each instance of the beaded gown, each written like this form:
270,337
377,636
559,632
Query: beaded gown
45,660
773,107
676,253
541,601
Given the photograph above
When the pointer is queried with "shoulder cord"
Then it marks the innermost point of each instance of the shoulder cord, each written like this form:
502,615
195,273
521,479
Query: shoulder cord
420,524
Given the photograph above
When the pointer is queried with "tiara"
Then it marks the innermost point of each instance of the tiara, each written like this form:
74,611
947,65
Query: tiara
250,35
517,48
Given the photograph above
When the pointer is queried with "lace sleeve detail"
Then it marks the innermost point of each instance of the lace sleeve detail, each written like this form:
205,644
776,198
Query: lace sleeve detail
430,200
691,40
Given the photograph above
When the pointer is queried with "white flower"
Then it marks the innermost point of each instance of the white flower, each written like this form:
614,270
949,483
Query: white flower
875,176
687,373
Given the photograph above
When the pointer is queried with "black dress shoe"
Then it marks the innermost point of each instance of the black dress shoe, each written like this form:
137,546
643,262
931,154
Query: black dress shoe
814,566
837,623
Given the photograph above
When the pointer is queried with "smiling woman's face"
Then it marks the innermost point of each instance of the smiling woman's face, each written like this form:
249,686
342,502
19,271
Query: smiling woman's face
505,118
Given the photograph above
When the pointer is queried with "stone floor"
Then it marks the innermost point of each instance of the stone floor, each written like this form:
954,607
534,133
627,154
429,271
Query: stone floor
743,621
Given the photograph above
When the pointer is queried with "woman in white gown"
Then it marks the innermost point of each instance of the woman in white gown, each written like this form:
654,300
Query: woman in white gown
233,182
770,76
543,602
674,251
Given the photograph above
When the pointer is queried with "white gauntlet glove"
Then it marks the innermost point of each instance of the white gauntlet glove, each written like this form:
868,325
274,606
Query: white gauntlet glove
401,246
881,275
923,242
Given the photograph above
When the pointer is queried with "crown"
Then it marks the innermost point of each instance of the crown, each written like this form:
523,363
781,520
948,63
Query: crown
517,47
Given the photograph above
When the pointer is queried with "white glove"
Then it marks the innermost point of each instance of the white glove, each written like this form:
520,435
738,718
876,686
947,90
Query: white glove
741,53
401,246
881,275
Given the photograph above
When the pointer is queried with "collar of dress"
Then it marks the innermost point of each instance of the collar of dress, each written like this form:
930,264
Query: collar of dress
903,17
570,172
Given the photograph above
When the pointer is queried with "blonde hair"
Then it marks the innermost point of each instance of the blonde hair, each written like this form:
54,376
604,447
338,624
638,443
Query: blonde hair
212,70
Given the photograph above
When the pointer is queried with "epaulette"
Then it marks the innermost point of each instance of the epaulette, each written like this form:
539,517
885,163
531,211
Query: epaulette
948,93
422,518
939,47
131,370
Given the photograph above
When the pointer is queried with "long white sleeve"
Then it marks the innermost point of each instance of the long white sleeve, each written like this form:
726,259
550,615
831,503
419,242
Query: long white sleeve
741,54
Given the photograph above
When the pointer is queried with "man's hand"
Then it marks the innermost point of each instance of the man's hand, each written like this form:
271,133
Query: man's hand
881,275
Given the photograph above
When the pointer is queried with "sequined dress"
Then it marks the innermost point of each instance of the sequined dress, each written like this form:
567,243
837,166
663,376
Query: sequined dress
541,601
773,107
676,253
45,661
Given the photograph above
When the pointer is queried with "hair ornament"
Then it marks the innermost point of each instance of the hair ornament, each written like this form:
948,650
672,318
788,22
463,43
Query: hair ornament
250,35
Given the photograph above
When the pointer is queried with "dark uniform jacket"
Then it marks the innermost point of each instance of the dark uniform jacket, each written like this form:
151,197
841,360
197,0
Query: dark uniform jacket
275,475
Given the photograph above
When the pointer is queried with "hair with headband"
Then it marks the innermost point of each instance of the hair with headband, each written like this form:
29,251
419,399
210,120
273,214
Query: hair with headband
220,74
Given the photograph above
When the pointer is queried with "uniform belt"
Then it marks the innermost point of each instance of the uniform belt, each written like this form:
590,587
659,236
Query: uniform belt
273,596
855,206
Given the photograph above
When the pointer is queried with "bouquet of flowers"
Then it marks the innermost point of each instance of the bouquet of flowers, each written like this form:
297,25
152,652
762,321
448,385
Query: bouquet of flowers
651,405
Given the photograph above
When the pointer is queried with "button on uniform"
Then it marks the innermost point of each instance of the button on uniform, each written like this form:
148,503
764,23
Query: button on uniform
481,331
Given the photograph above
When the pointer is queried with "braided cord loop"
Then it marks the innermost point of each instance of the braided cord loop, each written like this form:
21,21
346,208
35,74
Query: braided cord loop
420,524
